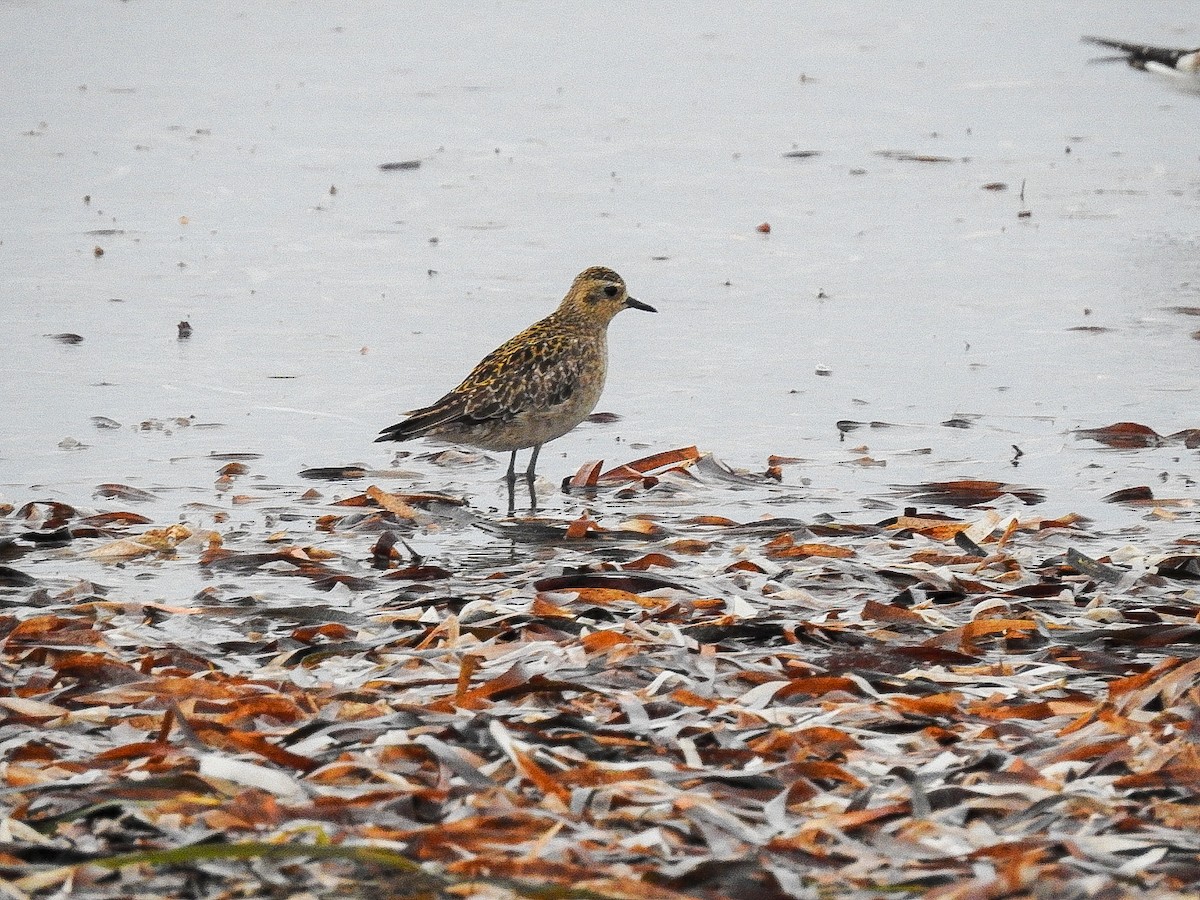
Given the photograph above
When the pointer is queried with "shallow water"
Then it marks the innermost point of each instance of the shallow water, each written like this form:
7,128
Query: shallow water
208,140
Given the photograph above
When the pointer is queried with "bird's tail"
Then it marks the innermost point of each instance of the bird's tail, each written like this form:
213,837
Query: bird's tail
423,421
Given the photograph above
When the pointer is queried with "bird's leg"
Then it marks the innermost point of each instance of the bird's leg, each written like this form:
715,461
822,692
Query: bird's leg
511,479
529,477
532,462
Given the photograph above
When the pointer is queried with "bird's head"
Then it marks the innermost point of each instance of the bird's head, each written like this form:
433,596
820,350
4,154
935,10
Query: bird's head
596,295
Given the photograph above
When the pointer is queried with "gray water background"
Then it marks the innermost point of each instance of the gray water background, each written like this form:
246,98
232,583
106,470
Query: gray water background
557,136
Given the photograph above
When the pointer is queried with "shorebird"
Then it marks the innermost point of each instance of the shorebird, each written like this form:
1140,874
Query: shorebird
1182,67
534,387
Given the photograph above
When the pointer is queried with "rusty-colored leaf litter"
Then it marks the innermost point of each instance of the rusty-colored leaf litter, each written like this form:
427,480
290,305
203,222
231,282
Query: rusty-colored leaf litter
395,694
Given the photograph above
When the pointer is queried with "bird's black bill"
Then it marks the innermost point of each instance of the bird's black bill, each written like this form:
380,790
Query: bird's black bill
638,304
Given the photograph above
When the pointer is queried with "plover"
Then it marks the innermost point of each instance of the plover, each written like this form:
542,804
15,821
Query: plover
534,387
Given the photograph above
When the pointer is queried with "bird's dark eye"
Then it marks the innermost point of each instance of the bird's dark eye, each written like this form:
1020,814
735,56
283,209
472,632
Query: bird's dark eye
610,291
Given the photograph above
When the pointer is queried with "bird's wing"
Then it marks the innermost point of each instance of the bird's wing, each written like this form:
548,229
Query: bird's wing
1138,55
535,370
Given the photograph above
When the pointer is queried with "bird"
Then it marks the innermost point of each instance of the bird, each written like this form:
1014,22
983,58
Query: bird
534,387
1181,66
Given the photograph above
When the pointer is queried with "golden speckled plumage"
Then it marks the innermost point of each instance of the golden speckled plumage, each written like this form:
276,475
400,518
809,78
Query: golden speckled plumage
536,386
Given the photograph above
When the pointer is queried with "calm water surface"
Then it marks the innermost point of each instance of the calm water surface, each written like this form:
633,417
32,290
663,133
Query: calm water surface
229,155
